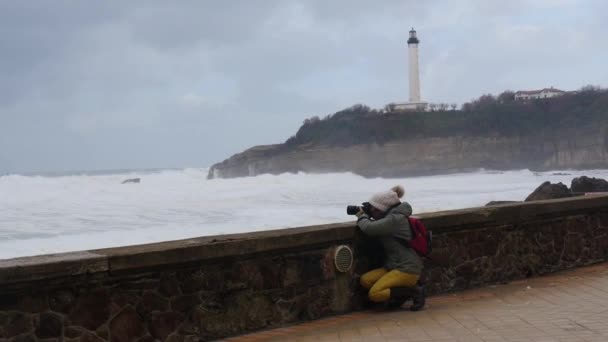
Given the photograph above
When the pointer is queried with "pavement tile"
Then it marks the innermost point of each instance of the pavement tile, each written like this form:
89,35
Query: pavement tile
566,306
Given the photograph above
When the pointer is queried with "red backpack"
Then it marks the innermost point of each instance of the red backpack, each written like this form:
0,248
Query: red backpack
421,237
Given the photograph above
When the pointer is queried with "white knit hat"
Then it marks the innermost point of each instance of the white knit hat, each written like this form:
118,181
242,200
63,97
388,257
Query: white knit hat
384,200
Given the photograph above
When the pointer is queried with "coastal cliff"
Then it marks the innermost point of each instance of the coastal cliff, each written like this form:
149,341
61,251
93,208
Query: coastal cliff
566,133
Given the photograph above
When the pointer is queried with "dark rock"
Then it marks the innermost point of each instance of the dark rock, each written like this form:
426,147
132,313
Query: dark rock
212,302
586,184
122,299
91,309
152,301
189,327
318,303
62,301
458,283
291,274
126,326
192,338
142,284
24,338
3,324
548,191
32,304
309,265
163,324
177,338
185,303
256,275
74,331
147,338
18,323
500,202
49,325
103,332
169,286
466,269
131,180
212,279
90,337
9,301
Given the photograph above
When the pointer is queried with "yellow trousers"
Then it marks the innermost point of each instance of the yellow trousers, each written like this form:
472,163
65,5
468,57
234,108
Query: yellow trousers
380,281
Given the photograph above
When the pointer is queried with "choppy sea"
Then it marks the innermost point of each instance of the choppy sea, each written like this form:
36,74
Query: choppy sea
41,214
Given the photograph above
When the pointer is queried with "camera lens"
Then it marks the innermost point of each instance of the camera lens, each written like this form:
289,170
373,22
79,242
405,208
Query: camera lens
352,209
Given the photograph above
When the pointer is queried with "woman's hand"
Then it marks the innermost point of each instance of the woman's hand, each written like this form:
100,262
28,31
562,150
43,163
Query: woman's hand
360,213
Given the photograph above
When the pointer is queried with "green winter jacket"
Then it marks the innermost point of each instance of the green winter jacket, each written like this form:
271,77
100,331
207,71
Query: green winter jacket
394,224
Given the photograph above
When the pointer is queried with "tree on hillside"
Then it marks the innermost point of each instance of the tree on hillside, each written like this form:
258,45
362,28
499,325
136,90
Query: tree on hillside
311,121
485,116
389,107
590,88
506,96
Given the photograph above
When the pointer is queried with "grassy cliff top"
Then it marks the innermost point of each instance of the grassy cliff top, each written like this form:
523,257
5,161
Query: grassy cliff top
487,116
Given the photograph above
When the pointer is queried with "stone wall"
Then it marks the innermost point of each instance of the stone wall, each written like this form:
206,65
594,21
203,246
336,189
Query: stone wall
205,288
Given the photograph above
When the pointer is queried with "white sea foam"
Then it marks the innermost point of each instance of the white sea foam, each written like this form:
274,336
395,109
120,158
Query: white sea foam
40,215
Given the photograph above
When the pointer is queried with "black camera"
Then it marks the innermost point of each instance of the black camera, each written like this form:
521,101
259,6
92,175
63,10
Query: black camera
354,209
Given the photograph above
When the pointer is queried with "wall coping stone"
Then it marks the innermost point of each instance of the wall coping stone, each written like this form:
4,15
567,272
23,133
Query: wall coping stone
144,256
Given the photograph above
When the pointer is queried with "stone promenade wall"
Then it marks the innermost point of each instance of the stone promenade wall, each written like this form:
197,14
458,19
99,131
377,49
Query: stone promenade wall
206,288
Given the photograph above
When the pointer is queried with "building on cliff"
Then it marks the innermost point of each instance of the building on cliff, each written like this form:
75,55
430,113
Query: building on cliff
523,95
415,103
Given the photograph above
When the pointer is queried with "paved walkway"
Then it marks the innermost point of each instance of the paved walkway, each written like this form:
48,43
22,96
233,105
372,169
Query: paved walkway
566,306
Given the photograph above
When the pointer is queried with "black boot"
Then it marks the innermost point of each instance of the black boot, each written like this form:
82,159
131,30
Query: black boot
399,295
419,298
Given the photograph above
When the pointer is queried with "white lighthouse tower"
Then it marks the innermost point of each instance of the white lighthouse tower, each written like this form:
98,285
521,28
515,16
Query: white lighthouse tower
412,45
415,103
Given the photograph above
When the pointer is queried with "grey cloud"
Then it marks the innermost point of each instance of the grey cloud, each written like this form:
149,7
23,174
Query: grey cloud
153,84
164,25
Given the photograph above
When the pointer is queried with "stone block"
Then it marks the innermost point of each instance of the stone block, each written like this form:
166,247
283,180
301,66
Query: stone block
49,325
185,303
208,278
177,338
91,309
74,331
103,332
51,266
152,301
90,337
291,274
164,324
127,326
25,338
18,323
24,302
62,300
309,264
169,286
147,338
122,298
140,284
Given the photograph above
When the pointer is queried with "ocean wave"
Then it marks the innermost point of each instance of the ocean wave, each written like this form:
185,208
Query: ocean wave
51,214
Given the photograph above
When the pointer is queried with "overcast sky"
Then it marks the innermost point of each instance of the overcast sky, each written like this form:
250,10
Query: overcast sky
88,85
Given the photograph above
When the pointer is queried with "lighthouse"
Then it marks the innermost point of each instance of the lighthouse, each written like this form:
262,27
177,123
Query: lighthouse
412,45
415,103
